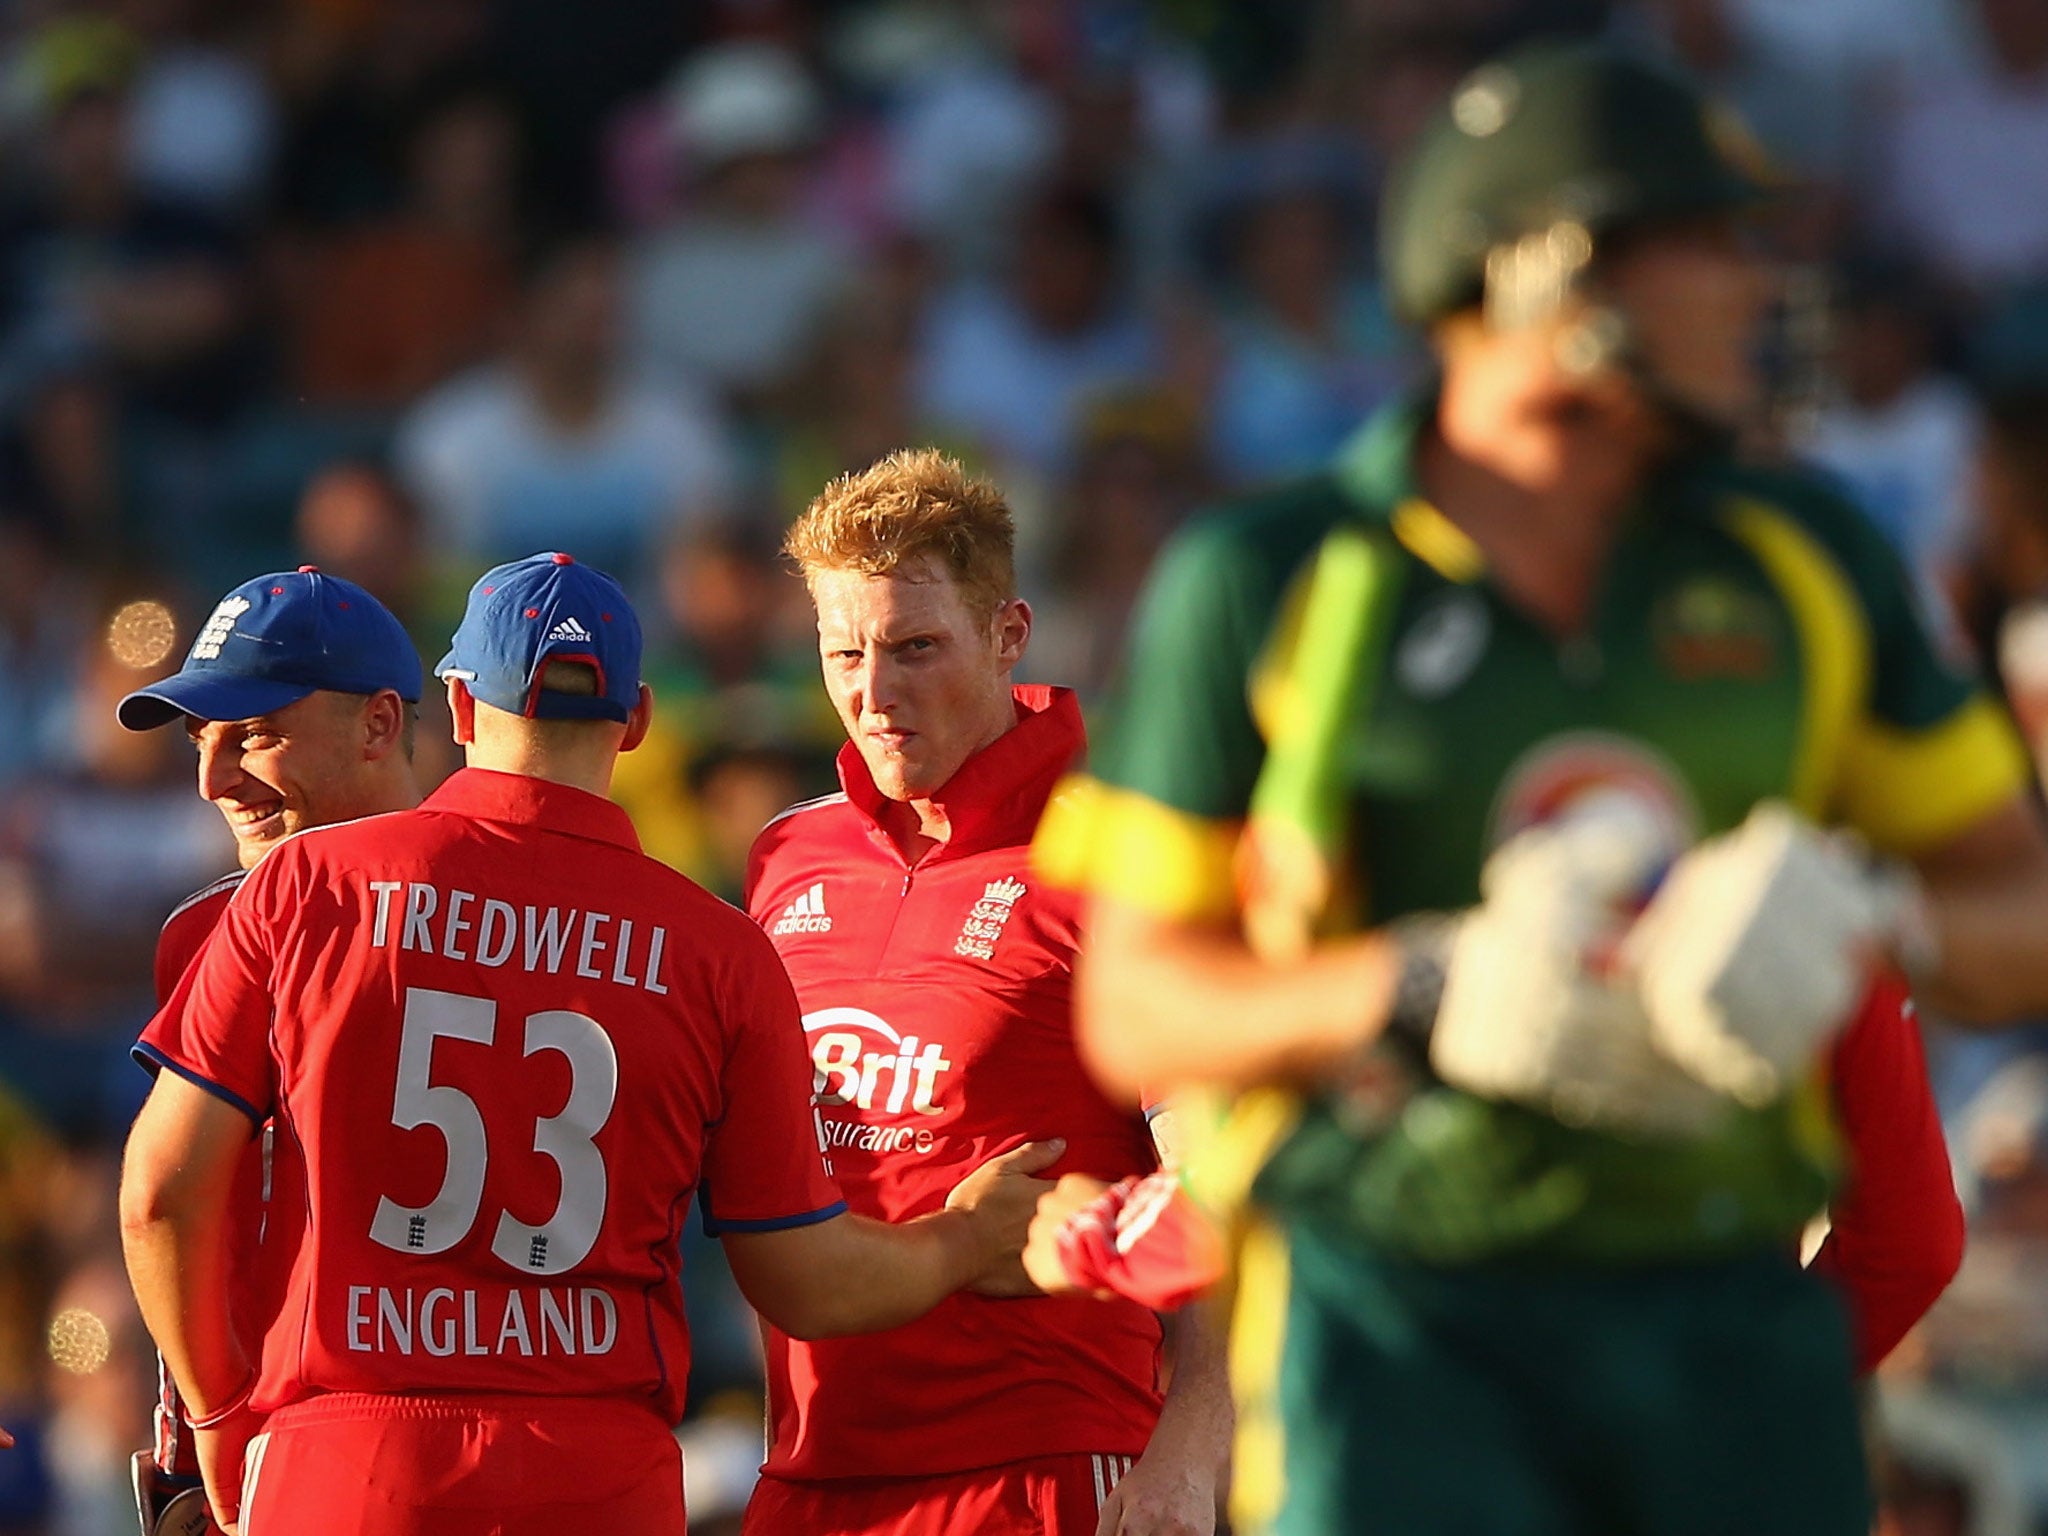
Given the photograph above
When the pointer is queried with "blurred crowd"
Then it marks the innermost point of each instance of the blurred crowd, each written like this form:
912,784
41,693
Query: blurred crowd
406,287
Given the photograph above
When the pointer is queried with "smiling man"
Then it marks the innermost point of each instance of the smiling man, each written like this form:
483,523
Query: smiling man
935,977
298,693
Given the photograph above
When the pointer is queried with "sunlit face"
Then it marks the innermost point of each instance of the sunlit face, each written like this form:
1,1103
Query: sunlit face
920,676
296,767
1694,296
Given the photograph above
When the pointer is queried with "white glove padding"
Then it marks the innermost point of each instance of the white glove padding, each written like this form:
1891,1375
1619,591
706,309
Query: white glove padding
1755,950
1522,1017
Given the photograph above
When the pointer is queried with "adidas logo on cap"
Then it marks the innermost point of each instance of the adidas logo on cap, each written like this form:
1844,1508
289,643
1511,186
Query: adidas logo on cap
568,629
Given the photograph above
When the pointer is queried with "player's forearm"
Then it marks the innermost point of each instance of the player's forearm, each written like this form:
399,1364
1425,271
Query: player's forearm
176,1181
1993,940
905,1269
1986,893
856,1275
1197,1418
176,1260
1163,1005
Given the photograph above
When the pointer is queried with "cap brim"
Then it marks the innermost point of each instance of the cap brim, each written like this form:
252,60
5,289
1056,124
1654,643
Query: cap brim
205,697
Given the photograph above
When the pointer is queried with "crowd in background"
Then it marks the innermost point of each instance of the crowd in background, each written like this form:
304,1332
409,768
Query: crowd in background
407,287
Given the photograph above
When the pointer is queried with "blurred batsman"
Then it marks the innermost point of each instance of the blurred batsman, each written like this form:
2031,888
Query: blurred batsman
1463,811
935,973
504,1051
298,694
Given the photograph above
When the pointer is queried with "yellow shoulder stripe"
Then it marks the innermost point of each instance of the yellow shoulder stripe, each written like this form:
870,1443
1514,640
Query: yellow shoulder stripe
1911,791
1132,849
1834,643
1907,791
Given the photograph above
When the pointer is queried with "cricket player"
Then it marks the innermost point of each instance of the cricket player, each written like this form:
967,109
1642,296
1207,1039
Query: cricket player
1461,814
505,1052
935,973
298,694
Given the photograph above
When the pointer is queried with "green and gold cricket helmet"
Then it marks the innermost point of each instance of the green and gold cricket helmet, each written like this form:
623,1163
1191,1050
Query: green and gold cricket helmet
1558,134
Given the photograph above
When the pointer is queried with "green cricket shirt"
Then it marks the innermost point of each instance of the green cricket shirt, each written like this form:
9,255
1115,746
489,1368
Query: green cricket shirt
1752,637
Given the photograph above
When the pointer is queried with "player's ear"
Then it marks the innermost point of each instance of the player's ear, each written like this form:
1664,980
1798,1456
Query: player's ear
638,721
461,712
383,724
1012,631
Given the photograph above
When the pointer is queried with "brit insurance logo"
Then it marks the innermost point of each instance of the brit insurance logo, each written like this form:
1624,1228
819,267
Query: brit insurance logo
987,919
860,1061
806,914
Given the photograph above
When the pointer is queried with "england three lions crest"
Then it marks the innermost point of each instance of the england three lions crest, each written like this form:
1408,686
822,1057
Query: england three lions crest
990,915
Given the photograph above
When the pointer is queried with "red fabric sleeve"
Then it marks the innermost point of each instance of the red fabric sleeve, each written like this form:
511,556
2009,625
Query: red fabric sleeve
1145,1240
1897,1227
179,945
215,1029
763,1169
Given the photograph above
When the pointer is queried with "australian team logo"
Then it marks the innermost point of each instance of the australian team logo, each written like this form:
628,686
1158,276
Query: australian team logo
987,919
1713,627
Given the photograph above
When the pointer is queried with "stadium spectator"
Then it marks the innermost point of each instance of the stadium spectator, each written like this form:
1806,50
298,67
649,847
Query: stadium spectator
1140,472
94,850
1009,367
1963,172
204,124
735,290
389,307
560,441
734,667
41,615
1307,345
1899,430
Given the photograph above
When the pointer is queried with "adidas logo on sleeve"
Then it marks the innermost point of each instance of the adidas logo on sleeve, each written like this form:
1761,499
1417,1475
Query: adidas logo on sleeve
806,914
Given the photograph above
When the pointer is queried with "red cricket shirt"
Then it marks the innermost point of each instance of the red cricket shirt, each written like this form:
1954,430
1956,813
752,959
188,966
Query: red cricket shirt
937,1005
504,1049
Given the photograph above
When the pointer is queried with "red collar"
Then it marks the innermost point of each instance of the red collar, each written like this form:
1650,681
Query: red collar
514,797
996,798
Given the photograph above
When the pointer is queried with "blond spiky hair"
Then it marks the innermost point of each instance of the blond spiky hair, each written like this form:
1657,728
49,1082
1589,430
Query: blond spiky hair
915,502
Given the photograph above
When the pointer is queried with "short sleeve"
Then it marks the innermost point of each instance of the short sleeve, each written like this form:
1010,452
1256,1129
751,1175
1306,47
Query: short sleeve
215,1029
1902,741
1156,823
763,1170
1935,753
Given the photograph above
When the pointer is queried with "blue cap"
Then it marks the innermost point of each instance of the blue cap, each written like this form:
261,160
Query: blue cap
540,609
272,641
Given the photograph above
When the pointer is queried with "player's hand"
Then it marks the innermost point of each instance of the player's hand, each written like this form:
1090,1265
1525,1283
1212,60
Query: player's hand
1042,1248
1002,1195
168,1506
221,1452
1168,1493
1756,950
1529,1012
